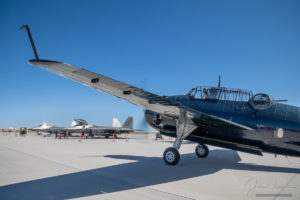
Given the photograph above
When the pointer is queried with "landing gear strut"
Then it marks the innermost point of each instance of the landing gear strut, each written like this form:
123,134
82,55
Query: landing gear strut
201,150
184,127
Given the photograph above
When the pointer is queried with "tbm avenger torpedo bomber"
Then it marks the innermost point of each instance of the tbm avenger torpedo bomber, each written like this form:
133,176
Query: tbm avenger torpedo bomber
229,118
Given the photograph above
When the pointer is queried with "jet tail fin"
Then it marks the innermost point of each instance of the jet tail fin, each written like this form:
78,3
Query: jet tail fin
128,123
116,122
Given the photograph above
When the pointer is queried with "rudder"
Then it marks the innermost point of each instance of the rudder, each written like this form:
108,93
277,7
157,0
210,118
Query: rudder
128,123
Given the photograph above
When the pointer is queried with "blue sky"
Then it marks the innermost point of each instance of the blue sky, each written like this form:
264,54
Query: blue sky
165,47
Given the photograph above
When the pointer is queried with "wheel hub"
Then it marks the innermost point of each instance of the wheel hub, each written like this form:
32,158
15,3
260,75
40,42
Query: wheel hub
201,150
170,157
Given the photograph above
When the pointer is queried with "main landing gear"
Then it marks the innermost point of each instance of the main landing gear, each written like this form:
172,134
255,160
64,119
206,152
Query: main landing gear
171,156
184,127
201,150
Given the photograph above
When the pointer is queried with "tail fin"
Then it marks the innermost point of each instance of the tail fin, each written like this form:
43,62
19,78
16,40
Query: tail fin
116,122
128,123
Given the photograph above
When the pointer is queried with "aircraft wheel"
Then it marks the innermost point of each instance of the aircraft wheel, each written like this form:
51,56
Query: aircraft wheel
171,156
107,136
201,150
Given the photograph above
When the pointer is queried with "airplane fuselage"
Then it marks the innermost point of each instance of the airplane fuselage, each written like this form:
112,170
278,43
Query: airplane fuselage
275,130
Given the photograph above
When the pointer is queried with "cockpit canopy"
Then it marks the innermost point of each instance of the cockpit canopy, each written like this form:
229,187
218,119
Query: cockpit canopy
258,101
78,122
220,93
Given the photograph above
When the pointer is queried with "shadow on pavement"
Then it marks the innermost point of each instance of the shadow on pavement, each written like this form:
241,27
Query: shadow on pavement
142,171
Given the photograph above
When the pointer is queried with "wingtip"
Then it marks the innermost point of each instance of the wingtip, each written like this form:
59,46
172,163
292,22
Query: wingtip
35,61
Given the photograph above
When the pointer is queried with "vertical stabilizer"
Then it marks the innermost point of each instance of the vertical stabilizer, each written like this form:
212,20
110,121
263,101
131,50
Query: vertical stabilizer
128,123
73,123
116,122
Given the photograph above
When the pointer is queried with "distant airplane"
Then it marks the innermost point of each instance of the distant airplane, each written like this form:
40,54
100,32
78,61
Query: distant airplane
229,118
85,129
89,130
45,129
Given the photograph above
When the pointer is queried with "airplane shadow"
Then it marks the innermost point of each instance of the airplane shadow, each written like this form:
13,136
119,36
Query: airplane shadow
140,172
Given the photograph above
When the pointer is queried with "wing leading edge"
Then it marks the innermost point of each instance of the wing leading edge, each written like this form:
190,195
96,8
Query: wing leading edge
136,96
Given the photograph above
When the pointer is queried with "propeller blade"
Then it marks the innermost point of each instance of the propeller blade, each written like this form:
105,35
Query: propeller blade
143,125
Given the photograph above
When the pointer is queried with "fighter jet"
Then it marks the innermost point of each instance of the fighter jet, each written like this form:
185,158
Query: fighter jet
230,118
46,130
82,127
90,130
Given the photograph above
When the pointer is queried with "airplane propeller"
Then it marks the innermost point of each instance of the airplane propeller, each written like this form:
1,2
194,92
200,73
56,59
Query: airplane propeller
143,125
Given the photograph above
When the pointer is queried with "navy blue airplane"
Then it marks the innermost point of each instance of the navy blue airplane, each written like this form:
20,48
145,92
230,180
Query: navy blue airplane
229,118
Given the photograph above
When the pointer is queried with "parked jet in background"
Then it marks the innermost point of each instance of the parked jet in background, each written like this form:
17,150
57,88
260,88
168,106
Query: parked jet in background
45,129
80,126
90,130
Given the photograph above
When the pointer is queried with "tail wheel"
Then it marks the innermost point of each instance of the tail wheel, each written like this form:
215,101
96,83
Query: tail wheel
201,150
171,156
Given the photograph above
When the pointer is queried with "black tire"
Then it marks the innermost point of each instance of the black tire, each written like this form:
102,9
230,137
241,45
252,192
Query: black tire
201,150
107,136
171,156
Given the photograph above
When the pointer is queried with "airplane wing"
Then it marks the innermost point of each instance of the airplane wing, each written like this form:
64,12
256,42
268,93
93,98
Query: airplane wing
95,128
50,129
98,129
106,129
158,104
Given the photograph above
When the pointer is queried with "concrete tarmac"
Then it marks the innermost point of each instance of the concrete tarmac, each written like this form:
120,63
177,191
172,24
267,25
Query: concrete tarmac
33,167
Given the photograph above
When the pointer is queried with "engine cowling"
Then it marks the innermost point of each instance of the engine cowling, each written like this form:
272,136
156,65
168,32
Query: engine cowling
261,101
160,122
